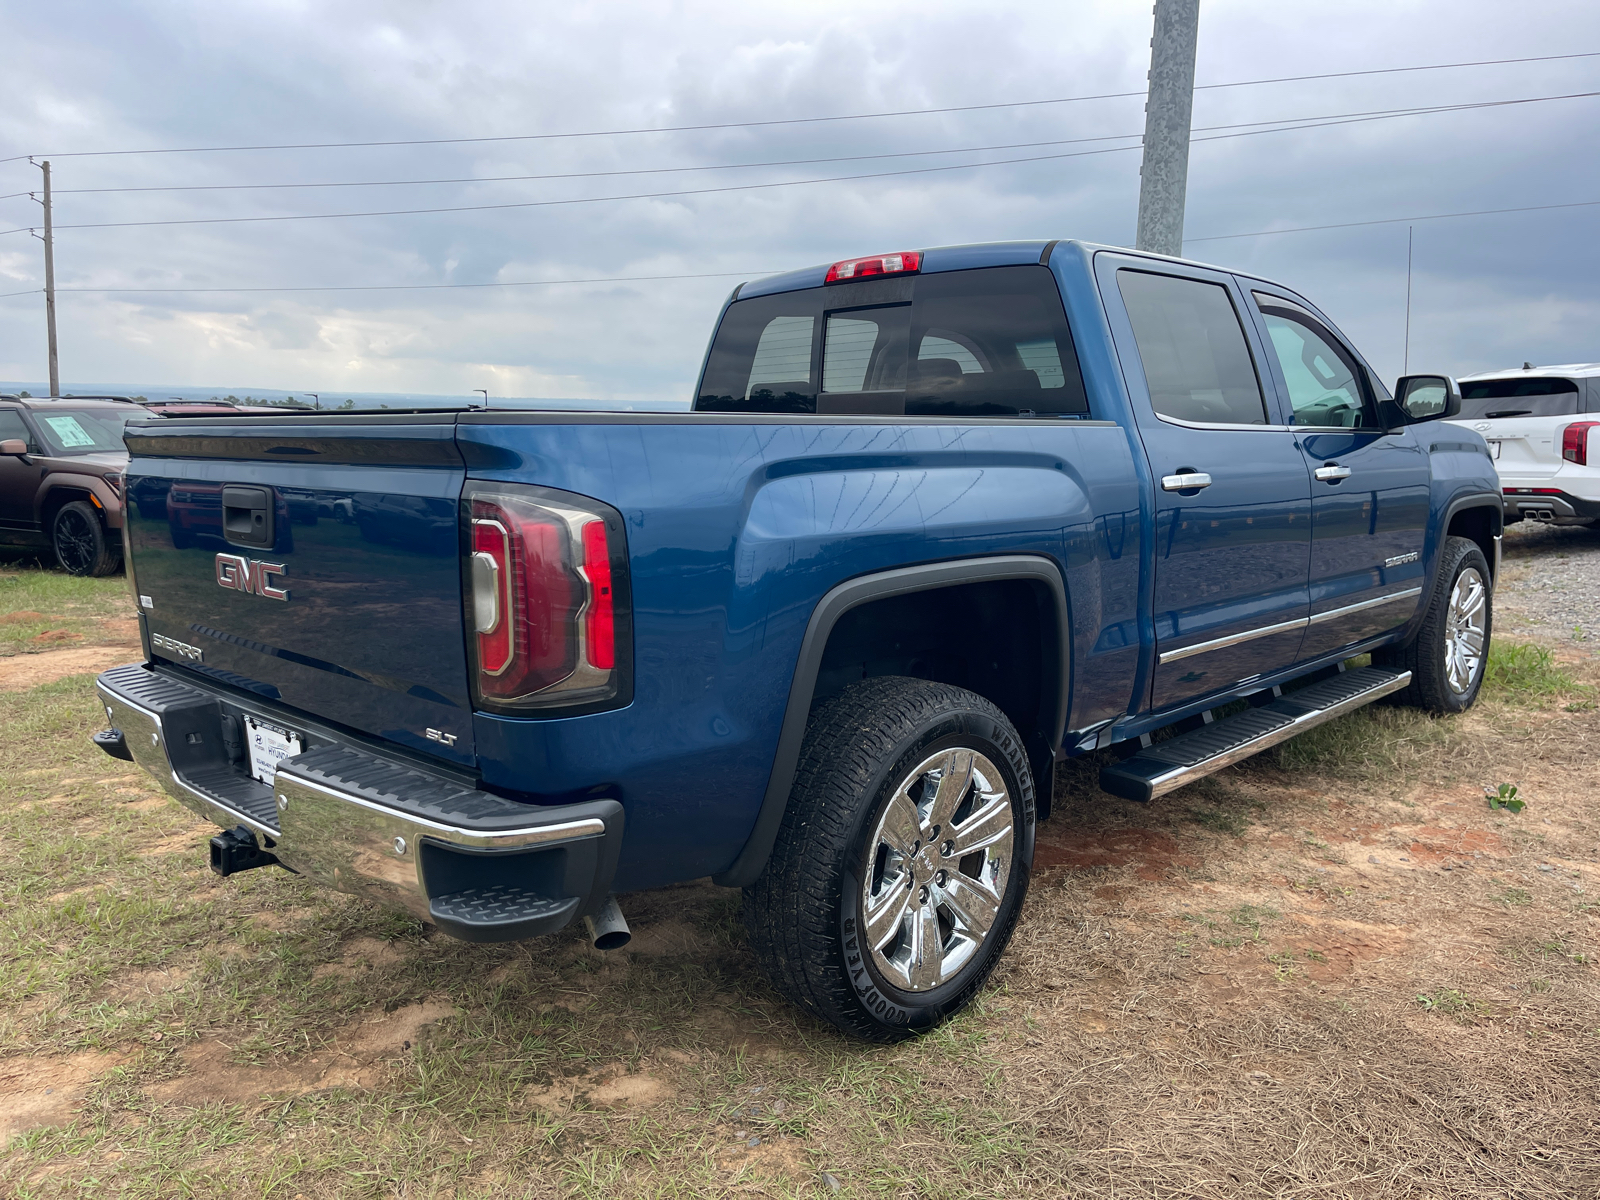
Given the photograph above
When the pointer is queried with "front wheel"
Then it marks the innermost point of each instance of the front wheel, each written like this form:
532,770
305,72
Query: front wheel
1448,656
903,859
81,543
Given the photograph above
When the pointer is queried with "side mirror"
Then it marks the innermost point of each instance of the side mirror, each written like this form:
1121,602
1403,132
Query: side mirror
1427,397
13,447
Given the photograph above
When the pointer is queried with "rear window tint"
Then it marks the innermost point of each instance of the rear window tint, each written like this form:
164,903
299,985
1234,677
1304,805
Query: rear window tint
987,342
864,350
1500,399
1196,361
761,358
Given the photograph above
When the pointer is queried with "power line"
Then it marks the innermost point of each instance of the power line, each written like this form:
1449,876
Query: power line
1280,126
1482,212
792,162
408,287
404,287
910,112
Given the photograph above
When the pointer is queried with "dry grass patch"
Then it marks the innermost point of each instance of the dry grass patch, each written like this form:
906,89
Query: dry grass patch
1331,971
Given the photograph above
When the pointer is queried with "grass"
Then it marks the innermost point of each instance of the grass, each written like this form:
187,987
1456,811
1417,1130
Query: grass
1177,1008
1522,671
49,609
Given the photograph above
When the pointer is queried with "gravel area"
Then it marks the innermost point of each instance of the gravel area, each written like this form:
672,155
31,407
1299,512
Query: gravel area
1550,583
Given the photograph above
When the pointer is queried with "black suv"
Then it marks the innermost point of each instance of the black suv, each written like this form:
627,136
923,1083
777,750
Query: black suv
61,464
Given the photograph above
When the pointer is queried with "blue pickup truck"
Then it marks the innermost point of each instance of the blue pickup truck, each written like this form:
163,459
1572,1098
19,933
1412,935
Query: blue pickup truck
936,521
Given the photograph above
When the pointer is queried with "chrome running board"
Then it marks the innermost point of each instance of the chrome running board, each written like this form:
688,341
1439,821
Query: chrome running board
1160,768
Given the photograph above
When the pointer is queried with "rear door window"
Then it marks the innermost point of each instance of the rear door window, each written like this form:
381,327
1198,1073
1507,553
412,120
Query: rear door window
1196,361
986,342
1500,399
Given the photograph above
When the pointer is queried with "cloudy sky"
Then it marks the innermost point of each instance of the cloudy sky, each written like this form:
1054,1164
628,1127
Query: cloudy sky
83,76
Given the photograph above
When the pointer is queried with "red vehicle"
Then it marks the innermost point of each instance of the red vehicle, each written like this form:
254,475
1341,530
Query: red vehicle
175,407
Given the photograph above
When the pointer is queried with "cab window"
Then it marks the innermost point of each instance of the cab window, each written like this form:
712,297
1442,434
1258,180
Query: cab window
1323,377
988,342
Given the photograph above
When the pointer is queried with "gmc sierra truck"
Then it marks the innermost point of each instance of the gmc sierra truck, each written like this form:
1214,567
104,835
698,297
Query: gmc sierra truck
936,521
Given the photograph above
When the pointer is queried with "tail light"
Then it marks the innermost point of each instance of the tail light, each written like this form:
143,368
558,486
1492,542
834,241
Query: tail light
904,263
546,577
1575,442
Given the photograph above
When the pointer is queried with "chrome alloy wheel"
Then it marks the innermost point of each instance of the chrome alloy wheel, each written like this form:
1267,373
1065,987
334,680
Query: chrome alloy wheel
1464,631
937,869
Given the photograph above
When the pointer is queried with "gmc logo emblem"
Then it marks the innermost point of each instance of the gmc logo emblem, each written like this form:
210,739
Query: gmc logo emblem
241,574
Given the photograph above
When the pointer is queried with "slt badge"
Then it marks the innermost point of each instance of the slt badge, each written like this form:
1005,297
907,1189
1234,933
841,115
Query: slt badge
241,574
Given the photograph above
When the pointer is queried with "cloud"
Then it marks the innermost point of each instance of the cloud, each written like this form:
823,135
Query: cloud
1486,291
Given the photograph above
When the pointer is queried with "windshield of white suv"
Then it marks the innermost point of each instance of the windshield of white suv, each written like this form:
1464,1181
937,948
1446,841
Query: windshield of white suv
68,431
1493,399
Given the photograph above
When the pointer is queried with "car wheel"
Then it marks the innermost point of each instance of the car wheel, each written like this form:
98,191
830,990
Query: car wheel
81,543
902,861
1448,656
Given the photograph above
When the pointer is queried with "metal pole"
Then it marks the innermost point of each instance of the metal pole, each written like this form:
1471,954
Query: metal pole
50,284
1164,176
1406,369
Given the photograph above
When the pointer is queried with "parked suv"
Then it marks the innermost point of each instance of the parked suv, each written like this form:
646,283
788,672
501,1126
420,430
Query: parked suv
1542,425
61,464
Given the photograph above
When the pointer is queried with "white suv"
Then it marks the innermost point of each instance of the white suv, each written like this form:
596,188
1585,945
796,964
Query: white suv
1543,429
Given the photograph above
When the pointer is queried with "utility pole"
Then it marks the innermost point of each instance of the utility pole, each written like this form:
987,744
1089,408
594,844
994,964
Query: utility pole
1164,176
50,284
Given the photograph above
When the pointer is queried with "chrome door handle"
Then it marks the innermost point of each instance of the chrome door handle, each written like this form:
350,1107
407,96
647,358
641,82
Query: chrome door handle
1182,483
1332,473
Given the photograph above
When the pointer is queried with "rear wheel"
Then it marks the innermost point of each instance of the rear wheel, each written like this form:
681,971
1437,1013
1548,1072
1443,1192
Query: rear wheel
903,858
81,542
1448,655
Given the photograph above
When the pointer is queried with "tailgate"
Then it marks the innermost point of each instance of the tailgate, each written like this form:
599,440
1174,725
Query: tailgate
1524,447
316,563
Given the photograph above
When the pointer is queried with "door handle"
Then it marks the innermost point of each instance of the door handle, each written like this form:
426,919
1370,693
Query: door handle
1332,473
1185,481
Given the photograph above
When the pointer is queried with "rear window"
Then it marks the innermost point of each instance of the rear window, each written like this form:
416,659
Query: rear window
84,431
1495,399
989,342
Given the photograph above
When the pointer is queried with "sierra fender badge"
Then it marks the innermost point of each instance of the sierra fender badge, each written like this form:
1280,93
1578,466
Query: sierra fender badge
1401,559
241,574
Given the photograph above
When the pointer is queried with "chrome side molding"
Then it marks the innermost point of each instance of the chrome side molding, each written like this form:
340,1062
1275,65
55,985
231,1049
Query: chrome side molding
1233,639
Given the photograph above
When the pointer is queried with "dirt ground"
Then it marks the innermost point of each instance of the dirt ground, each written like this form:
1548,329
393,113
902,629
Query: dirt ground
1331,971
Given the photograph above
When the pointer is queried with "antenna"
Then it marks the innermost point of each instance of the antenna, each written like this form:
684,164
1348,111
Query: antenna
1406,369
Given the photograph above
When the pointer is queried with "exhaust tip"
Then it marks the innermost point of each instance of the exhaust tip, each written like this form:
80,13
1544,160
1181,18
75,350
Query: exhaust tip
608,928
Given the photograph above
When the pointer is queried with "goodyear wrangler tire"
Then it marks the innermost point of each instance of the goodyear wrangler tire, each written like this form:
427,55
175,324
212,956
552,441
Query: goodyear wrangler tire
902,861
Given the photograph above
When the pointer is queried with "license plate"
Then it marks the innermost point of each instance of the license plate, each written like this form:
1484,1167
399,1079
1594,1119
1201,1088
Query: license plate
268,746
1494,449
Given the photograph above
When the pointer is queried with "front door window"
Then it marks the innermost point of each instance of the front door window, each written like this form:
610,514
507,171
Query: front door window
1323,380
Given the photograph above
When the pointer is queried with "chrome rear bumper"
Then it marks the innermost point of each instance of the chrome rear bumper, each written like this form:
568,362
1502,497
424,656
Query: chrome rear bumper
480,866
